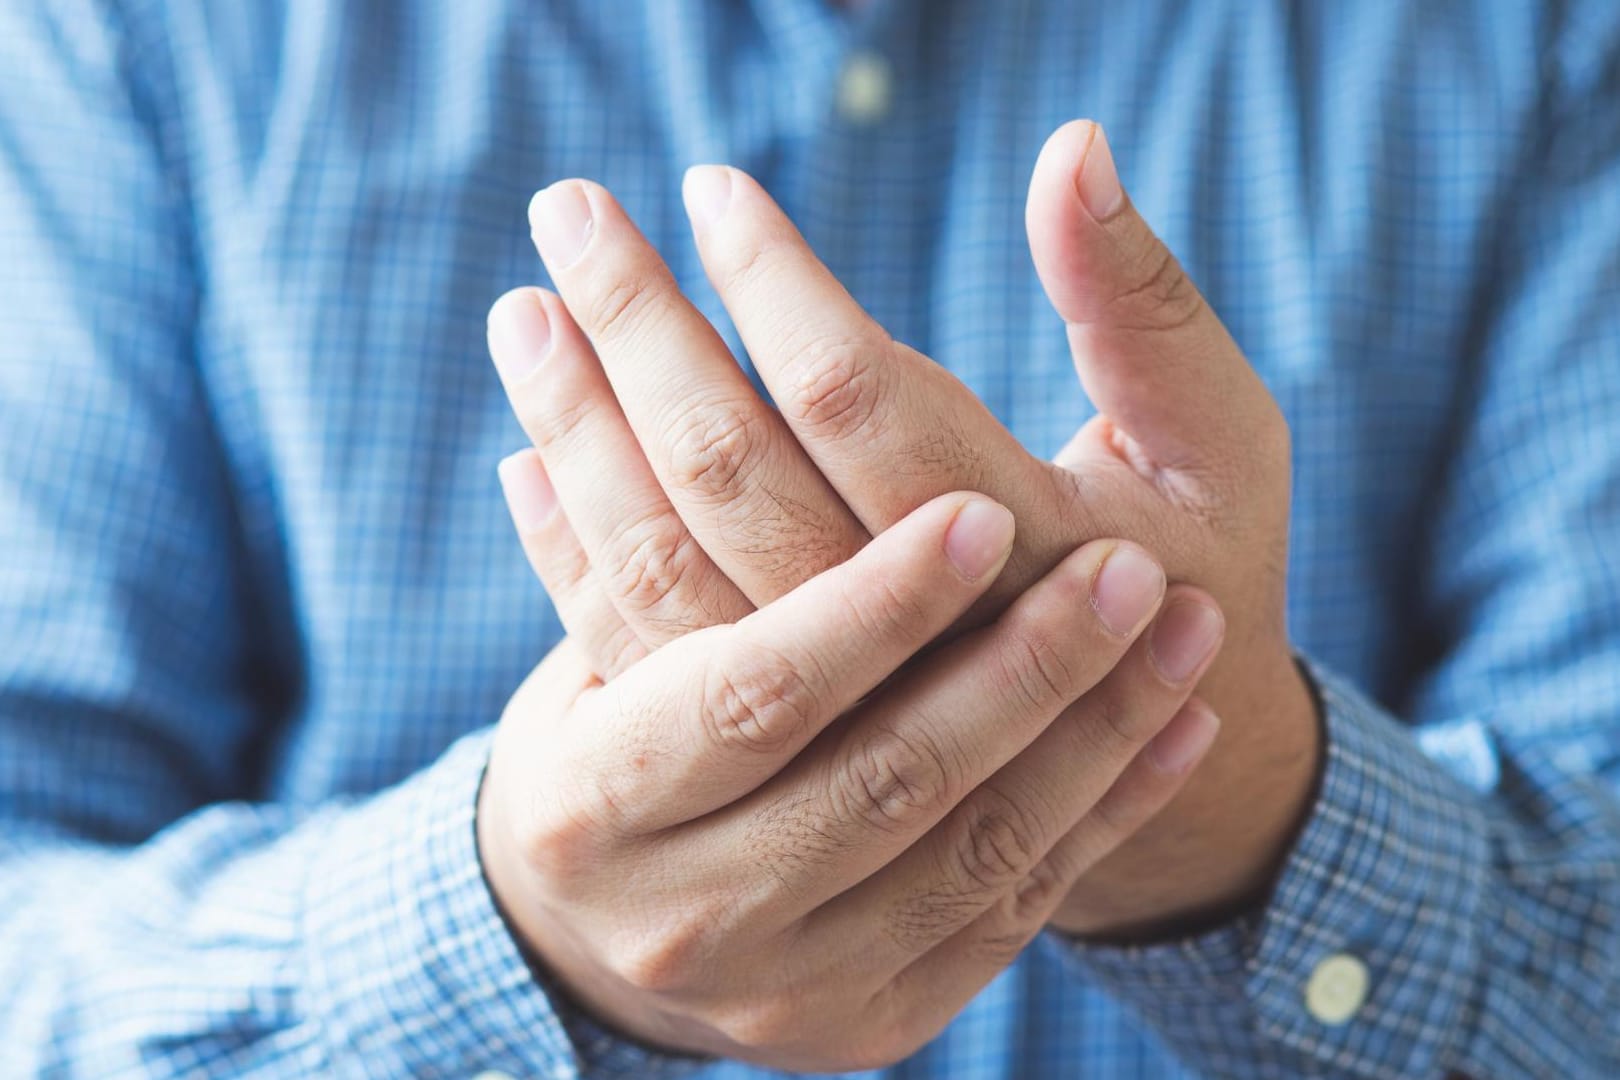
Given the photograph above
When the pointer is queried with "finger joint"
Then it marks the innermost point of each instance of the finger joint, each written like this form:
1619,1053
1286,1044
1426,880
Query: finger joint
649,563
834,387
760,704
893,781
711,451
1163,298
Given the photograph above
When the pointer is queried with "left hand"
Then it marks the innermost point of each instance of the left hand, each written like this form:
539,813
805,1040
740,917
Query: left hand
719,503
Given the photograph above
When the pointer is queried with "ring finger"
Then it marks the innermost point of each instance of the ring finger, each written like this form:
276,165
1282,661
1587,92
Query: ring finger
656,575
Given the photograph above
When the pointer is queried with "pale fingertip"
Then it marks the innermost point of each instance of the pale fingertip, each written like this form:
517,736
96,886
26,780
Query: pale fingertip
1184,638
979,538
706,190
561,221
1185,739
519,333
1097,179
1127,589
529,493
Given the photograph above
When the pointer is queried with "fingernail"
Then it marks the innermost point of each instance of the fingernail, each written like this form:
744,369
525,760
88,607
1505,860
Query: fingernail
1184,637
529,494
979,538
1099,186
560,220
707,192
519,334
1126,588
1185,739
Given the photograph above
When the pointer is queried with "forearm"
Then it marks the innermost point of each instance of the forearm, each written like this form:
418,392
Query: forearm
1482,914
244,940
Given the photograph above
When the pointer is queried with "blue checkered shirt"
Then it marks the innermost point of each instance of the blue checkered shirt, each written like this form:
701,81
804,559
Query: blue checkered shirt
260,600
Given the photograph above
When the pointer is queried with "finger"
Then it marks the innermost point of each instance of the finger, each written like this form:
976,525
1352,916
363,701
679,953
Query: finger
706,720
905,759
869,411
1150,352
656,576
563,568
983,855
730,466
923,997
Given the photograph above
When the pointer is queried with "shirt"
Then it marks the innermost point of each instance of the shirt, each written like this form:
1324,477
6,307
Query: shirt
260,601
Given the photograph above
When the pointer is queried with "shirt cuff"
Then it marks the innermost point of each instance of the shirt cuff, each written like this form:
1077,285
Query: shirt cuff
411,969
1363,962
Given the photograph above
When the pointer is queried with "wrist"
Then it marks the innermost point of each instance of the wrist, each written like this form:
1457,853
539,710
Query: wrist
557,958
1215,853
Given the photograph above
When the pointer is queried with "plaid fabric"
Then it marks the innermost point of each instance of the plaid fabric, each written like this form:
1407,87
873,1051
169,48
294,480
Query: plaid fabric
260,602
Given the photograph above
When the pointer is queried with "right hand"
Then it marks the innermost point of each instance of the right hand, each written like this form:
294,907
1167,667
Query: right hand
753,843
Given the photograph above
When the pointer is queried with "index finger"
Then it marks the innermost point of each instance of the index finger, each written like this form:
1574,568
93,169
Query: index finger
867,409
709,718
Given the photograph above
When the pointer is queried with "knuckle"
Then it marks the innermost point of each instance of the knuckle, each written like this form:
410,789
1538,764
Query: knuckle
992,850
668,959
761,704
649,562
1036,674
552,414
1007,928
1161,298
833,386
749,268
997,845
1038,893
893,781
769,1022
1108,819
619,305
711,450
558,837
886,611
1122,723
1017,916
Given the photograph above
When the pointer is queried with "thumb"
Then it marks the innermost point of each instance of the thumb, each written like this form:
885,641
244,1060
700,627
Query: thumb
1151,353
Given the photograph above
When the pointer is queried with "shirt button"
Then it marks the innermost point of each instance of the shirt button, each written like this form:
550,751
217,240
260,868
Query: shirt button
1337,989
865,88
493,1074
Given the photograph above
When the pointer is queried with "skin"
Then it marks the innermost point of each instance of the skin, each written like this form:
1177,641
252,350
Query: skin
664,503
771,840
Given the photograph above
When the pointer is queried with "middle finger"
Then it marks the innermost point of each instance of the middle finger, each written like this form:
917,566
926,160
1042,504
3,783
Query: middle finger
660,581
731,468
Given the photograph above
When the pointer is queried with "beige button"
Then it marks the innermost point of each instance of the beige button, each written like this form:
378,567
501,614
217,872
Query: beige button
1337,989
865,88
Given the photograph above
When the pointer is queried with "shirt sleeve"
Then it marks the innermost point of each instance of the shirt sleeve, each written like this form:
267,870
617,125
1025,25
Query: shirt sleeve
1452,905
150,923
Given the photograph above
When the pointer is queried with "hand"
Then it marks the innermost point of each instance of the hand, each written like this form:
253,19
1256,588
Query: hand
708,862
735,503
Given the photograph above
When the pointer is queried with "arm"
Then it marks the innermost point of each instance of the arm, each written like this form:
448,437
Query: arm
147,926
1475,868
